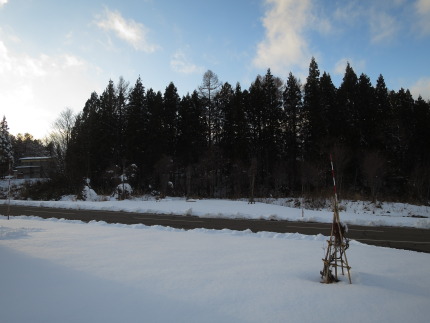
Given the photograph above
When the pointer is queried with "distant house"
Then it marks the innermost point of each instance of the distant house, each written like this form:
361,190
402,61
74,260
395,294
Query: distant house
34,167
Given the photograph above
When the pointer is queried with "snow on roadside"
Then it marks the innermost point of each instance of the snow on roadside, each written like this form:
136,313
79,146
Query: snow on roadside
58,270
358,213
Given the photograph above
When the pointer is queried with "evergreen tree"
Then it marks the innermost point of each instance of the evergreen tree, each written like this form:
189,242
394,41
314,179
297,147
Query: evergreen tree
81,154
6,153
107,133
329,111
239,126
404,128
120,118
347,100
349,125
235,143
366,113
27,146
292,119
272,114
419,174
383,114
223,116
191,132
136,130
157,145
254,115
171,103
312,114
420,136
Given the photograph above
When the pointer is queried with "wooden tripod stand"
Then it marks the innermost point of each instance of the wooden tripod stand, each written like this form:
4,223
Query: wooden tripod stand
336,252
337,244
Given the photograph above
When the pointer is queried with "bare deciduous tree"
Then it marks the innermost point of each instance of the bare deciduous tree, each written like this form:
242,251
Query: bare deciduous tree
208,90
209,85
61,134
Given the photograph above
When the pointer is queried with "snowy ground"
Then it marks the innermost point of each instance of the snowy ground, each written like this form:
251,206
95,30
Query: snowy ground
69,271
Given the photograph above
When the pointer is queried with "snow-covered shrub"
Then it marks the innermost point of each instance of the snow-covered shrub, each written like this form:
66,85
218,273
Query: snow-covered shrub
88,194
122,191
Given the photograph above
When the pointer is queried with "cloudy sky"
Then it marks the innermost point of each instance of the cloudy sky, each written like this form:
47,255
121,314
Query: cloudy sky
54,53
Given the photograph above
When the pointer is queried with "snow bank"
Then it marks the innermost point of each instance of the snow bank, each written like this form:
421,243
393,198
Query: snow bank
358,213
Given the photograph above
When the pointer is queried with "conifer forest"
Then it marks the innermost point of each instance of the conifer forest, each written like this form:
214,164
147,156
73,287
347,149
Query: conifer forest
270,140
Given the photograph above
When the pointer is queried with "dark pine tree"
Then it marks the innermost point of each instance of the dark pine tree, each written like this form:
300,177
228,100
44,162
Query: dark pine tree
171,102
136,130
157,143
349,125
236,140
366,113
107,150
223,119
312,113
191,130
401,129
292,120
404,113
347,109
383,115
421,133
419,176
240,127
6,152
271,131
254,115
81,158
329,112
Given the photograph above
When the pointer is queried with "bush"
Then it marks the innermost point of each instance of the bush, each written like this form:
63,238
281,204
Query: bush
45,189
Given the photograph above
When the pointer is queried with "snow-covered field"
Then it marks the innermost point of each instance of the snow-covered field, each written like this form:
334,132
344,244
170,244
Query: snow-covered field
64,271
69,271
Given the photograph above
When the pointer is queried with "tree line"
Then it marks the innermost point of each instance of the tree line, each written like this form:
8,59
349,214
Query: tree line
272,139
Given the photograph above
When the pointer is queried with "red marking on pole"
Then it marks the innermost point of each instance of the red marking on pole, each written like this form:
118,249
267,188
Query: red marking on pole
334,180
332,173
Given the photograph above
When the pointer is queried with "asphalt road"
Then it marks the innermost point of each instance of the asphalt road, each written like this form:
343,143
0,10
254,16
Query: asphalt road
392,237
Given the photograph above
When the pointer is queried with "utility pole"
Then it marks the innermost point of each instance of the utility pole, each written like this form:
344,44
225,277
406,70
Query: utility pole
8,191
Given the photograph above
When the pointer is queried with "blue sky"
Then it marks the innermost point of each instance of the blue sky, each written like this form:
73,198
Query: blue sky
54,53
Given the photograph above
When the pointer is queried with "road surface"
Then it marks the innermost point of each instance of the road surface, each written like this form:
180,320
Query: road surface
393,237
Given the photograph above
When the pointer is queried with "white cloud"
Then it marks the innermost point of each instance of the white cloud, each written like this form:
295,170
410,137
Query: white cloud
181,64
36,89
421,87
3,2
132,32
285,45
349,12
383,27
422,9
380,17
